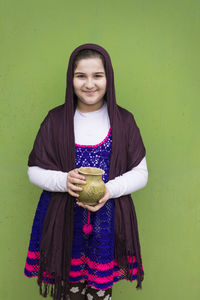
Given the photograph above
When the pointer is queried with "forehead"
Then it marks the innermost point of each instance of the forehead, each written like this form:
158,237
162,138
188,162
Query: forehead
90,64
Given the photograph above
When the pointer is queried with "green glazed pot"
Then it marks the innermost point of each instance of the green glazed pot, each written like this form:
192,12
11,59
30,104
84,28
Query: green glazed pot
94,189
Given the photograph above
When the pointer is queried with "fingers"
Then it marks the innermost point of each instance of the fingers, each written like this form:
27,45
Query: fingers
105,197
74,187
73,194
101,203
91,208
74,178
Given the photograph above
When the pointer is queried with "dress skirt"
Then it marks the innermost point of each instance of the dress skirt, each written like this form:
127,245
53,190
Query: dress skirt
92,254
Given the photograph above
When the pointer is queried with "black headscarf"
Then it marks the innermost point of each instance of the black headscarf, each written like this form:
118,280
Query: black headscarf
54,148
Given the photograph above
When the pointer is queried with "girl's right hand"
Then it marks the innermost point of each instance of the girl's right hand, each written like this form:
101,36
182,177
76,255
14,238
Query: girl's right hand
72,178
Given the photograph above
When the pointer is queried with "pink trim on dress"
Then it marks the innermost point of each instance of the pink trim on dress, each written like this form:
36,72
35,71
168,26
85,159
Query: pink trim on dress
97,279
94,265
33,254
85,273
79,261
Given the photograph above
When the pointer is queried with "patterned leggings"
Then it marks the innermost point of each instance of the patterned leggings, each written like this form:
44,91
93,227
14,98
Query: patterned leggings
81,291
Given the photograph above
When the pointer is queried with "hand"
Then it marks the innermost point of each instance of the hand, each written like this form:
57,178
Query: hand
102,201
74,177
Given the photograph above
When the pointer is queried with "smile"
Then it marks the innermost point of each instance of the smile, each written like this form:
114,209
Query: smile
90,92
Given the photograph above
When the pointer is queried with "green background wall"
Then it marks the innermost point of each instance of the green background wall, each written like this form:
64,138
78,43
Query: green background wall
154,46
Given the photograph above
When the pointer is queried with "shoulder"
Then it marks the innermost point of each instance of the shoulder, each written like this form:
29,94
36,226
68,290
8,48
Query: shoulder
54,114
125,115
52,118
57,111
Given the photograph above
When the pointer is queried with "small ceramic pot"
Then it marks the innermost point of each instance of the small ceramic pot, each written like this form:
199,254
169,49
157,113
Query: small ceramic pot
94,189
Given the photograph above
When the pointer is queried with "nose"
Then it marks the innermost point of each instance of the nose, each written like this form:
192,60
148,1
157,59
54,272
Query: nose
89,84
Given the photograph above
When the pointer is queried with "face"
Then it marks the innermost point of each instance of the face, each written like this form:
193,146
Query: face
89,84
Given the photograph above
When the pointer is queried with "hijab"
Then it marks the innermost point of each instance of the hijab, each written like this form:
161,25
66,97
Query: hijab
54,149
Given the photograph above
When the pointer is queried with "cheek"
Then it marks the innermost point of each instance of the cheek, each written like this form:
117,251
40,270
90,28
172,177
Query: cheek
102,84
76,84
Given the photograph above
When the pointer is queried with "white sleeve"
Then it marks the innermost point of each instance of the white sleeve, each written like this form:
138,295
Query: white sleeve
49,180
55,181
130,181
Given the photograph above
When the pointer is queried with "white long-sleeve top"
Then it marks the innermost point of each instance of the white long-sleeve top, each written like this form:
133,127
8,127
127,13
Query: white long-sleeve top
90,129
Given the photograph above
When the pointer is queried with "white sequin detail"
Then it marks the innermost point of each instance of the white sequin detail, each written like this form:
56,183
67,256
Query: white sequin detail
101,293
90,297
74,289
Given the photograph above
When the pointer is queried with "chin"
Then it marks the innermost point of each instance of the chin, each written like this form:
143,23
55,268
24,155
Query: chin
91,101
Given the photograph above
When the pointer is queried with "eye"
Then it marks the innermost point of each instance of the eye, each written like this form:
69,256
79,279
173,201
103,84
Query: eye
80,76
98,75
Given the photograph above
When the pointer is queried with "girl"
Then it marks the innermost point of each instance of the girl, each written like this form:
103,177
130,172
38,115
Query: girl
89,129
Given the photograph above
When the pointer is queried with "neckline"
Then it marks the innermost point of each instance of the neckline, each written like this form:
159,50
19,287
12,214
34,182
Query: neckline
96,145
91,113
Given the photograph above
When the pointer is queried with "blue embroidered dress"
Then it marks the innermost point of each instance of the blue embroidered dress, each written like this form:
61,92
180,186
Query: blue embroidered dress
92,255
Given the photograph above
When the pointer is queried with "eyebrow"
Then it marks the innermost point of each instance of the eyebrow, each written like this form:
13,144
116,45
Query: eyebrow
93,73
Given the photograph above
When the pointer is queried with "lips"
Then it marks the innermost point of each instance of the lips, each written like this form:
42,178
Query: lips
90,92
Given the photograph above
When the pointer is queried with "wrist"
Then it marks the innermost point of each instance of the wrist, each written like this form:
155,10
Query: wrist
109,189
62,181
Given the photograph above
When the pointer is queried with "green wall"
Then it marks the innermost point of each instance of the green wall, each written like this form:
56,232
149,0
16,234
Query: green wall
154,46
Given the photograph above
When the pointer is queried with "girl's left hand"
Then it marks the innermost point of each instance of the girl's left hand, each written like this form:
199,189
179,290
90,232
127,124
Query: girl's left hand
102,201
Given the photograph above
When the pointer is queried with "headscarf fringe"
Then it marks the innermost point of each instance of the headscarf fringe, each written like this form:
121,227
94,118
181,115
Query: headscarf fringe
57,290
122,257
54,286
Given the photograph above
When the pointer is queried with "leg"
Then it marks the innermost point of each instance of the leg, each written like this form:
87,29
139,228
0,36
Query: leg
94,294
77,291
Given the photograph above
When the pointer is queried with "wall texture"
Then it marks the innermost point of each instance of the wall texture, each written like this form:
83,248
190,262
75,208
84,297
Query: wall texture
154,46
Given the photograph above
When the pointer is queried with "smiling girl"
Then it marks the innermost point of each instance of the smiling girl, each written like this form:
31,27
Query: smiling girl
90,129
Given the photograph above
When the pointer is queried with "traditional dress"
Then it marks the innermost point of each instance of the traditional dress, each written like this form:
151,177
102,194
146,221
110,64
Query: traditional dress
54,149
92,254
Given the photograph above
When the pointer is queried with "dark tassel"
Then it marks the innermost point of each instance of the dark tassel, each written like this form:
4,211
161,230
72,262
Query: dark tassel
52,290
121,256
59,289
53,286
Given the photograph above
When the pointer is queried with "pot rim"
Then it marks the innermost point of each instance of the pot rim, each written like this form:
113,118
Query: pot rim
95,171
